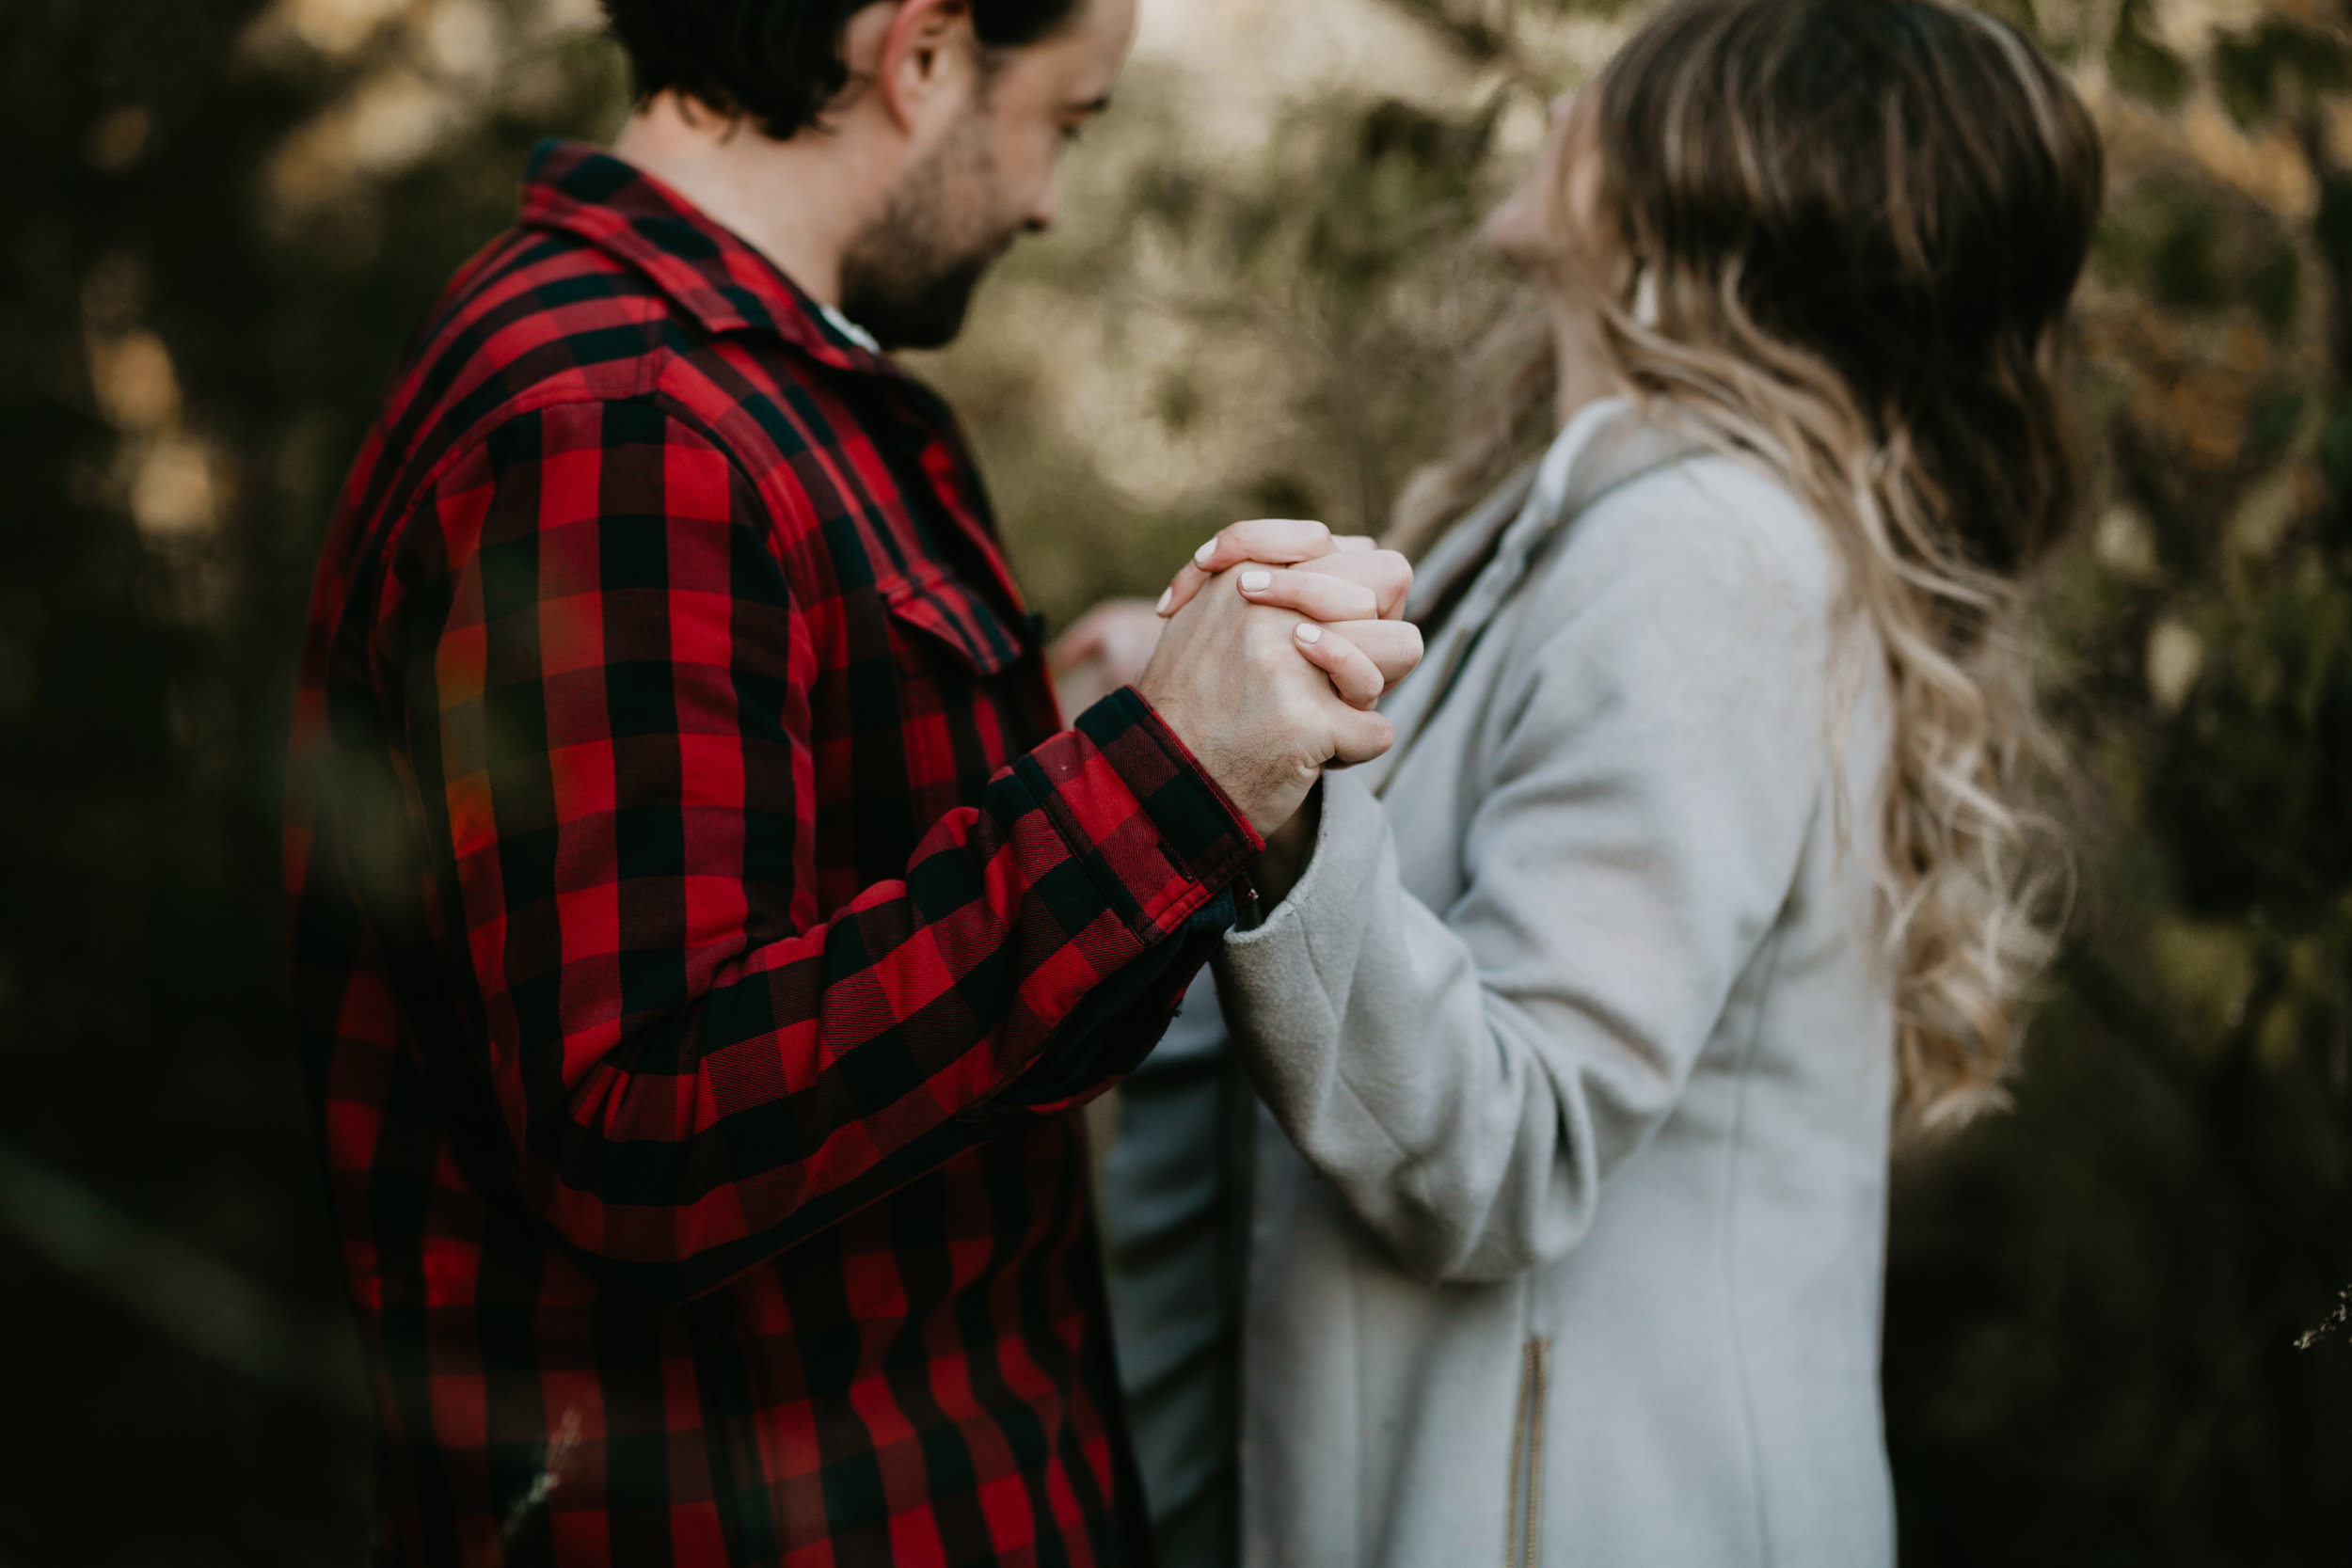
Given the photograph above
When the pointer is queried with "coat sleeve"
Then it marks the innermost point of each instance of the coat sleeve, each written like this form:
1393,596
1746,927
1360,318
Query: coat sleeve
605,688
1469,1077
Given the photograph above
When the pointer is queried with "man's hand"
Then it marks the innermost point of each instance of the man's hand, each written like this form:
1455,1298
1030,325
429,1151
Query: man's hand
1228,680
1288,848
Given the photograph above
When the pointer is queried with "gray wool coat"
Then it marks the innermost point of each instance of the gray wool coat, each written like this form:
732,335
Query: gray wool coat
1566,1204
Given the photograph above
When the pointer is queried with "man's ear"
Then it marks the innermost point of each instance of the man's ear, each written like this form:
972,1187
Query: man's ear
924,53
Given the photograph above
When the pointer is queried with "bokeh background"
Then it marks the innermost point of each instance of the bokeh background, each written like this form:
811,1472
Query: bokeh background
2107,1316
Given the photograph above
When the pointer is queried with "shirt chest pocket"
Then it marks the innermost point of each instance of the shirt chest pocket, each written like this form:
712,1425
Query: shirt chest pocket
945,616
969,696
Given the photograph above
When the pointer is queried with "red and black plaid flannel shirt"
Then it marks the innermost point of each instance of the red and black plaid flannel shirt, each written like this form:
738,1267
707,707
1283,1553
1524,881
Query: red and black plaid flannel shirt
701,935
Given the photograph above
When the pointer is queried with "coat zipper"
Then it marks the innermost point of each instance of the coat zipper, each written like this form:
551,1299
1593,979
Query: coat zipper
1522,1534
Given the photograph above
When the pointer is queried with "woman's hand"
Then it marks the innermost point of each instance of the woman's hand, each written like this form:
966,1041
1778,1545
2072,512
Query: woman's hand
1350,592
1310,548
1105,649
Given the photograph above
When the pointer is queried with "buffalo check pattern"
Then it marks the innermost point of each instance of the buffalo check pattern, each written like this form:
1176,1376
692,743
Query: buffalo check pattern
703,931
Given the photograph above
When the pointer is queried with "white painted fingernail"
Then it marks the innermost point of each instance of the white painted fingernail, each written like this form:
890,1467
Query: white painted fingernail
1309,632
1167,597
1205,554
1256,582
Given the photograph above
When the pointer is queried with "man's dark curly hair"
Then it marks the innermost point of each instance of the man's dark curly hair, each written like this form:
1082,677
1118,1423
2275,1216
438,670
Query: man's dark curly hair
778,63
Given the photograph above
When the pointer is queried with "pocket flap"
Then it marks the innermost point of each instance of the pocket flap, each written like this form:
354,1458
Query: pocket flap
975,630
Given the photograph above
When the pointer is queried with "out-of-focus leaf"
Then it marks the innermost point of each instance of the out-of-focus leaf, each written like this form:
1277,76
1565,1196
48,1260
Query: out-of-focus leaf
2141,66
2244,75
2333,225
1468,27
2251,66
2164,238
2335,451
2275,287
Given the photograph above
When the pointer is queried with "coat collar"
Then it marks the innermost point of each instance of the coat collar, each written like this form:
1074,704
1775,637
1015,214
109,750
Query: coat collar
709,272
1606,444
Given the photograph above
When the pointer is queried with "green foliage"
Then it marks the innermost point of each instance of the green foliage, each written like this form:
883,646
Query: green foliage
2140,65
2253,67
173,345
2095,1302
2168,240
2190,249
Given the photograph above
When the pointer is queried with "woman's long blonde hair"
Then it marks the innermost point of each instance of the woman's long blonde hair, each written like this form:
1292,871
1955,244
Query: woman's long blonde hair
1846,235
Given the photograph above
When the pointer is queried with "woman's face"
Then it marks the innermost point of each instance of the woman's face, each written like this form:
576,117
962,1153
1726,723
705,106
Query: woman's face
1547,228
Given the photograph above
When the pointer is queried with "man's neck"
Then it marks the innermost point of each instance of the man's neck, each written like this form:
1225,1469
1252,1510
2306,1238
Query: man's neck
799,203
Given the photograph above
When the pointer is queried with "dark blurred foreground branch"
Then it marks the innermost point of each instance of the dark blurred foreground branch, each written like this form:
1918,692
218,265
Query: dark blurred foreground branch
189,1297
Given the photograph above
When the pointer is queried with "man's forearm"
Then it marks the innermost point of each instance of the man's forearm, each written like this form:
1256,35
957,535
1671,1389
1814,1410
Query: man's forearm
843,1060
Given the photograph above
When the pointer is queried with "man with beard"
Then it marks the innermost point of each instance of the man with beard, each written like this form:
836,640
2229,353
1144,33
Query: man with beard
703,929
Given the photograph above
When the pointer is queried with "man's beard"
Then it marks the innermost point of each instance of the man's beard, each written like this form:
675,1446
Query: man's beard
909,277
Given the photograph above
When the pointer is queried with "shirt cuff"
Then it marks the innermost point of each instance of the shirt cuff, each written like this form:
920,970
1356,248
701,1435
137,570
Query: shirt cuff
1141,814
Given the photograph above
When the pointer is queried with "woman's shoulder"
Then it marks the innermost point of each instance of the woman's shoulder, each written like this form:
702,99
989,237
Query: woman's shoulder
1686,623
1704,533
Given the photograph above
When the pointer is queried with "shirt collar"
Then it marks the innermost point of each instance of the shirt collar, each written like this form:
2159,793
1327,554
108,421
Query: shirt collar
707,271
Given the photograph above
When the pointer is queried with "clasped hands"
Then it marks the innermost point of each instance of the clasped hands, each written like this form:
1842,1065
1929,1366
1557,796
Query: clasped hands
1264,656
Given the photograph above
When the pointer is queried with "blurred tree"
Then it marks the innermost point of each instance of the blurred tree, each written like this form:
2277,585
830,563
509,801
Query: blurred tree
2097,1300
209,265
